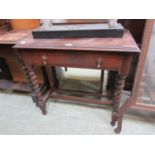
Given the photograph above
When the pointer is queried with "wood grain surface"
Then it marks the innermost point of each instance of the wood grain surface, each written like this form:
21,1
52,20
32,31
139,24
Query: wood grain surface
11,37
124,44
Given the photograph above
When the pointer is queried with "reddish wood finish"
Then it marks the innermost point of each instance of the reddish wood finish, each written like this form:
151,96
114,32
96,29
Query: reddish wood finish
7,40
124,44
12,37
99,53
80,99
75,59
80,92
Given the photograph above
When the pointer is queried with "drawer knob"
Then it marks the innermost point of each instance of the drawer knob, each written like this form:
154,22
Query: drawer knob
44,57
99,62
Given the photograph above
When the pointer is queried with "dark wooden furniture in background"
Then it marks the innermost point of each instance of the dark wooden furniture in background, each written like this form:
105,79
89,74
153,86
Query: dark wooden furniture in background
4,70
95,53
4,25
16,79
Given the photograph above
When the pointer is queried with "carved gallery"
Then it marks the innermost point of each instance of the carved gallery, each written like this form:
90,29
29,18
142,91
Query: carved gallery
77,76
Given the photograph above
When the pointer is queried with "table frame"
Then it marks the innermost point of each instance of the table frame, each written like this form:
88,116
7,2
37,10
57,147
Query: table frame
103,54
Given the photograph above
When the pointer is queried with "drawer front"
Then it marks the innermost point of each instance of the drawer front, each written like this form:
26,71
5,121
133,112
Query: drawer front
75,59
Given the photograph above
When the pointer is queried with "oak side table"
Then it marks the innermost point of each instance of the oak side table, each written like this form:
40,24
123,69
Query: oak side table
95,53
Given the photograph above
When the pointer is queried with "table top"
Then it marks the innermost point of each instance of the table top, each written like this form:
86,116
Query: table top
12,37
124,44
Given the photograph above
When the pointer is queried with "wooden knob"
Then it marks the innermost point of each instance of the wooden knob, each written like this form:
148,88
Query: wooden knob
45,58
99,62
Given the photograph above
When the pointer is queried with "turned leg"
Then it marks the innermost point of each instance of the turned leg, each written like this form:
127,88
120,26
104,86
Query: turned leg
51,72
117,97
30,83
27,76
117,115
33,83
36,90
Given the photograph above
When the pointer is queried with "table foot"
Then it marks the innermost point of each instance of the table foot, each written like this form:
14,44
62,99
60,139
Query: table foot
42,106
117,130
44,112
121,112
113,123
114,118
119,124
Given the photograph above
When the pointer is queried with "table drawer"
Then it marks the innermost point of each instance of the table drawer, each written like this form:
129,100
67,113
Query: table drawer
75,59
